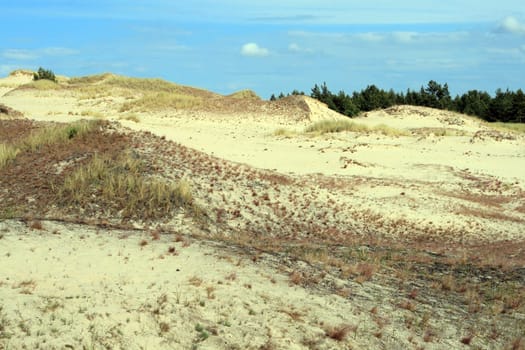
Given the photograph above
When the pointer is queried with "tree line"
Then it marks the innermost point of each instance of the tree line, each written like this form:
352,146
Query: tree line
504,106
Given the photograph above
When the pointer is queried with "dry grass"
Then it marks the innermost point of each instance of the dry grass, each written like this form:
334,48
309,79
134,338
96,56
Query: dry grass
120,184
7,154
243,94
152,85
131,117
440,132
334,126
518,128
42,84
45,137
94,114
161,101
284,133
91,79
339,333
57,134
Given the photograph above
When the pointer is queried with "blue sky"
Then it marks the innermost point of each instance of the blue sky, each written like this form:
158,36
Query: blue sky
272,46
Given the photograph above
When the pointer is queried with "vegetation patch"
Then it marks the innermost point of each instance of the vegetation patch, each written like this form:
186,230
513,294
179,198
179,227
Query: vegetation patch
42,84
44,137
44,74
7,154
162,100
121,186
334,126
518,128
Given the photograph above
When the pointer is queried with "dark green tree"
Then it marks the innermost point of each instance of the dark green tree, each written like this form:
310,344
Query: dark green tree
518,106
44,74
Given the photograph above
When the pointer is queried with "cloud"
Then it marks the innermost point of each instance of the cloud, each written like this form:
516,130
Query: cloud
370,37
404,37
19,55
295,48
29,55
512,25
254,50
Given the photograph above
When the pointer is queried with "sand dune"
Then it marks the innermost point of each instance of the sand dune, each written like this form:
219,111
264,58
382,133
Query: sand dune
289,214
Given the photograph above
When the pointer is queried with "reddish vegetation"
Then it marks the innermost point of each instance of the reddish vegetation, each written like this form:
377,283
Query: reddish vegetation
28,182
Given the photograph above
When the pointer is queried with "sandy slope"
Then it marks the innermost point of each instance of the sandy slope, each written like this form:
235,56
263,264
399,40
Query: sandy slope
70,286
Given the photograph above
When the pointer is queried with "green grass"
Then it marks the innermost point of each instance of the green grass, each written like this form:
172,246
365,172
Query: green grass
121,186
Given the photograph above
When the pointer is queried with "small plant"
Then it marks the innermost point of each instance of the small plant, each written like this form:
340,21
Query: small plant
232,276
195,281
467,339
46,74
209,292
339,333
7,154
202,332
164,327
36,225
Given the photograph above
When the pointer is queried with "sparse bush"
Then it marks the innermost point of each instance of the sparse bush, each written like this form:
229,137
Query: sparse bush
44,74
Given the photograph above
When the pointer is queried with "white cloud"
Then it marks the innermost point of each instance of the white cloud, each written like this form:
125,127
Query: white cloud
19,55
295,48
370,37
254,50
28,55
405,37
512,25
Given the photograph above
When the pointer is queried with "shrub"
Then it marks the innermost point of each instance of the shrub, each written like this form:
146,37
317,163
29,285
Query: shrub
44,74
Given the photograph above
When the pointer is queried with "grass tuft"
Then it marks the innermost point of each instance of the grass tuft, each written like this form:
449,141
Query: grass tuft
57,134
334,126
45,137
7,154
339,333
123,188
512,127
42,84
162,100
